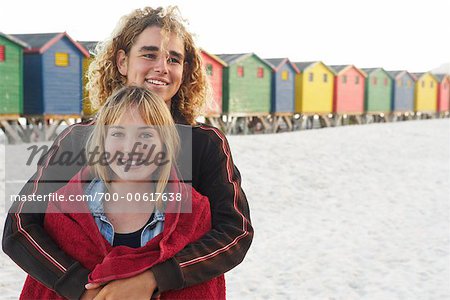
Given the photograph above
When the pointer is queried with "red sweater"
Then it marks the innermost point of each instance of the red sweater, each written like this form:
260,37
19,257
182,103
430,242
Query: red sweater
77,234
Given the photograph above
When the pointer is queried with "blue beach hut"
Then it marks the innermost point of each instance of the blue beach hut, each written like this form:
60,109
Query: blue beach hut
402,91
52,74
283,85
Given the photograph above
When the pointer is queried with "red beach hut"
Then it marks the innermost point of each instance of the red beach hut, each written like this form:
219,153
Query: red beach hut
443,92
349,84
214,72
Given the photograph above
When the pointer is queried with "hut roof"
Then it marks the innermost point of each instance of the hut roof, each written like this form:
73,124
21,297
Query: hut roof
277,63
88,45
371,70
41,42
14,40
340,68
441,77
399,73
396,74
420,74
301,66
215,57
234,58
417,75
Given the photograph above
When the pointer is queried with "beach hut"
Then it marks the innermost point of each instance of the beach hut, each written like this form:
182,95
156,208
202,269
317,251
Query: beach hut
443,92
283,85
11,75
378,91
214,72
314,88
349,84
425,96
52,74
246,84
89,46
402,91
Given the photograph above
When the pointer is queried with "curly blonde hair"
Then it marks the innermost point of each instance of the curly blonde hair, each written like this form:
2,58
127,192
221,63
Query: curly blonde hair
104,76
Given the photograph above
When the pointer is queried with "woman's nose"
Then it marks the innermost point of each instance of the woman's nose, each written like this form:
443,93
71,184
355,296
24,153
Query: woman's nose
130,146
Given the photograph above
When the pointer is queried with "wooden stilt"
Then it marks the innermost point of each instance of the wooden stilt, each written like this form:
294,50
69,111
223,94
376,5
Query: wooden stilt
265,123
288,122
11,133
324,121
50,130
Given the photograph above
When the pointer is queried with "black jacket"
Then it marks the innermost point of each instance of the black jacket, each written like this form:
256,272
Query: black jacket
212,173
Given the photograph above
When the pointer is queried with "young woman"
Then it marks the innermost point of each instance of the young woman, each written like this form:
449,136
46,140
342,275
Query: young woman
132,129
149,48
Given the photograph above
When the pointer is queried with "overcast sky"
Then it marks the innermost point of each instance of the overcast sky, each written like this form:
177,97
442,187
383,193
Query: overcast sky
394,34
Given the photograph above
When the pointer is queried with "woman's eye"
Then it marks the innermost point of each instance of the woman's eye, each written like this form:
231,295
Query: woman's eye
146,135
117,134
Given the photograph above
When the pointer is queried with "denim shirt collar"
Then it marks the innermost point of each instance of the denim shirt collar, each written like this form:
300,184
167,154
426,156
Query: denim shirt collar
105,226
96,205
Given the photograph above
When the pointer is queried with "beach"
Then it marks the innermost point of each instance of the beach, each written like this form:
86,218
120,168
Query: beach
354,212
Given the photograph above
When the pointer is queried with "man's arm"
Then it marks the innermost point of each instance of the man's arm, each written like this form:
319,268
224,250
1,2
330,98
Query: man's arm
225,246
24,238
217,252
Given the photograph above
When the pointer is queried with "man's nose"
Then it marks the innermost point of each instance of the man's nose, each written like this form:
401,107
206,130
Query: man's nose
161,64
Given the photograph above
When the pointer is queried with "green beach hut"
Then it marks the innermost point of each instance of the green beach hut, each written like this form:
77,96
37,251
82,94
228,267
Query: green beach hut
11,75
378,95
247,83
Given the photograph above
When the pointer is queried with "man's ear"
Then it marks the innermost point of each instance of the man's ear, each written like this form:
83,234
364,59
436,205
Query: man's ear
122,62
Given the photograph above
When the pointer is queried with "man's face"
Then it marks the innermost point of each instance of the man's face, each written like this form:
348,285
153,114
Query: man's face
156,61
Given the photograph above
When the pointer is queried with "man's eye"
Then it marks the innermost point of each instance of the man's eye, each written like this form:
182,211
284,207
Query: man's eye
151,56
173,60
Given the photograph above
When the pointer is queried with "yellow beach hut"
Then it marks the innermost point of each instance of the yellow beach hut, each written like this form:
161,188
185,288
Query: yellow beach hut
88,109
425,94
314,88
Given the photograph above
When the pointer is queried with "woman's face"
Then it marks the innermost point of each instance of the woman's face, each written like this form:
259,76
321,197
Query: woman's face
134,146
155,61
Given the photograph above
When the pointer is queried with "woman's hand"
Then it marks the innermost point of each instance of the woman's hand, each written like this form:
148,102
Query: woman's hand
137,287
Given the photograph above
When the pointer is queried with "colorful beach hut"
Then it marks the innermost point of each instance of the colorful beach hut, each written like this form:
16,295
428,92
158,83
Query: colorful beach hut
425,97
443,92
402,91
349,84
89,46
11,75
214,72
378,91
52,74
246,84
314,88
283,85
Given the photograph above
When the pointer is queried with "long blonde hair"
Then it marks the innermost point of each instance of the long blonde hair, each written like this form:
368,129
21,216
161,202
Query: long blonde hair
153,111
104,76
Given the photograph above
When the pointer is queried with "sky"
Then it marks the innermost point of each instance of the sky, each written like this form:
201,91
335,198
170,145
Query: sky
411,35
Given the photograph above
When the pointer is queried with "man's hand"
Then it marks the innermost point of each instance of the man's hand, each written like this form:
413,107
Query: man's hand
138,287
89,294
